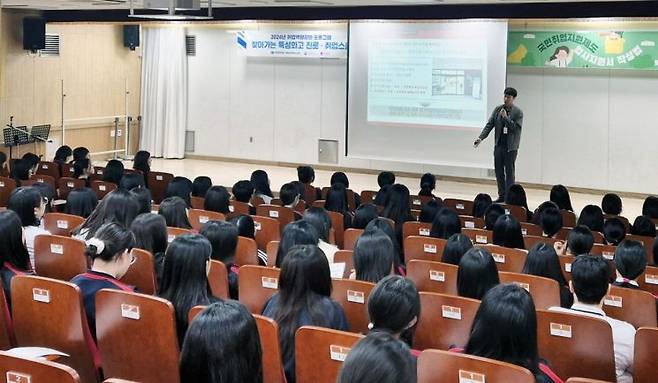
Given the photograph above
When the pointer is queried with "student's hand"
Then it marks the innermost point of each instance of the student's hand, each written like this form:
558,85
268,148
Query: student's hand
477,142
560,247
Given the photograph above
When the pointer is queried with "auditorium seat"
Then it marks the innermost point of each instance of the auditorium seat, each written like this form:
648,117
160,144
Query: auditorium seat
528,228
194,312
435,277
568,218
118,381
346,257
199,217
368,196
218,280
14,369
649,280
545,292
646,349
36,302
606,251
563,234
98,173
173,232
320,353
7,337
507,259
246,252
518,212
102,188
67,170
623,220
585,380
470,222
266,229
530,241
141,273
565,264
272,250
237,208
197,202
461,206
423,248
422,229
48,168
43,179
576,345
310,194
353,296
636,307
479,236
647,242
65,185
445,321
136,336
268,332
61,224
59,257
451,367
350,237
257,284
284,215
318,203
338,224
7,185
417,201
157,183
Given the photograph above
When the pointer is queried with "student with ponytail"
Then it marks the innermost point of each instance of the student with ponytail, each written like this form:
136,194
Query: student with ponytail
427,185
109,250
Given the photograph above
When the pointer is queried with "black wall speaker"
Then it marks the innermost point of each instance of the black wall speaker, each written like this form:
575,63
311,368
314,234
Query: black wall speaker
131,36
34,33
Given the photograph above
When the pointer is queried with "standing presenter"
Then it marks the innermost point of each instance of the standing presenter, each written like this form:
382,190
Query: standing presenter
507,119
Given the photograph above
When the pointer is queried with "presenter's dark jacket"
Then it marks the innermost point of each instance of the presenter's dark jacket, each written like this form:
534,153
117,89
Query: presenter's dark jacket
513,121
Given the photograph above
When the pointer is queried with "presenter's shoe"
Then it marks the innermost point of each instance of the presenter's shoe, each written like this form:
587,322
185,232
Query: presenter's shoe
500,200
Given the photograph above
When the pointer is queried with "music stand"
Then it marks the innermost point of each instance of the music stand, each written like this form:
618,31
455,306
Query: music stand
15,136
40,133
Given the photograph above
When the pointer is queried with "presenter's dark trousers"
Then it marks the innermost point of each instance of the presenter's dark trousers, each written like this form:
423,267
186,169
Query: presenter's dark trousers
504,164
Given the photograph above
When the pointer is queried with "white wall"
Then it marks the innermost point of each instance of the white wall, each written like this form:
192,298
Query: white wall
582,128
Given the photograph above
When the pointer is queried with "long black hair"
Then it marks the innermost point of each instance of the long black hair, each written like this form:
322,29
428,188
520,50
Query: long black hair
477,273
592,217
429,210
480,204
341,178
382,224
180,187
200,186
62,154
374,256
130,181
505,328
223,237
456,246
543,261
117,206
363,215
427,184
81,202
110,242
507,232
378,358
217,198
261,182
295,233
113,172
303,281
337,199
141,162
560,195
650,207
446,223
394,307
150,233
184,278
222,346
397,204
320,220
516,196
144,199
24,201
12,247
174,210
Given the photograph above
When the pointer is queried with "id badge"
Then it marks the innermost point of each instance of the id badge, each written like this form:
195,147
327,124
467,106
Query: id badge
505,130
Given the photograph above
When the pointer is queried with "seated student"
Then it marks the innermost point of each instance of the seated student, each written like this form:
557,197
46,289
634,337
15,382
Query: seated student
374,257
174,211
20,171
548,216
481,202
650,207
590,276
4,168
580,241
180,187
217,199
143,198
30,206
142,163
381,224
261,184
245,225
80,153
446,223
222,345
477,273
303,299
131,181
427,185
505,329
83,170
295,233
394,307
33,161
306,175
653,257
592,217
363,215
319,219
560,195
118,206
14,258
456,246
516,196
81,202
337,201
507,232
398,208
543,261
378,358
223,237
429,210
63,155
113,172
185,277
611,204
614,231
341,178
643,226
48,193
491,215
109,251
630,261
242,192
385,180
200,186
289,195
150,232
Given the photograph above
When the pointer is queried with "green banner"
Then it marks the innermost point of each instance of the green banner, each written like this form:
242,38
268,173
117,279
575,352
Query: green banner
583,49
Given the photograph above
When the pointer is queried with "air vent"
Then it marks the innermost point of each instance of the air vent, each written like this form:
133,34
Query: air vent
52,45
190,45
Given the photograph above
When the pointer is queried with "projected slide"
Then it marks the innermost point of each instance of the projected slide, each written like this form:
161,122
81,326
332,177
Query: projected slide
427,81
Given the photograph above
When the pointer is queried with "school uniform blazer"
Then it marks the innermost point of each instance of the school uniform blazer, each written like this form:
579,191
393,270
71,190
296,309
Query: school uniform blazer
513,122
